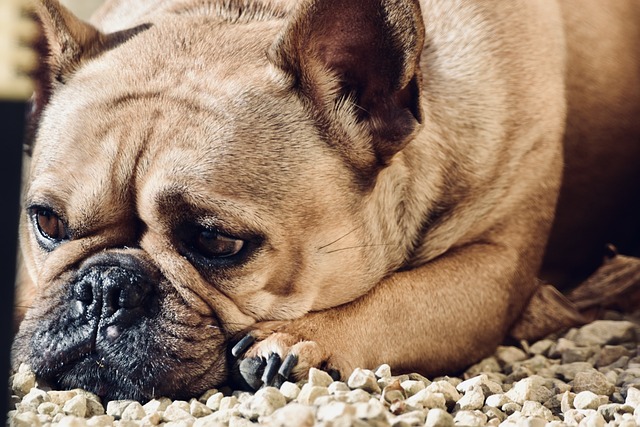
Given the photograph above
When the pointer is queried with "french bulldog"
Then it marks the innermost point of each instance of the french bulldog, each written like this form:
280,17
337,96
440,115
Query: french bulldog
245,189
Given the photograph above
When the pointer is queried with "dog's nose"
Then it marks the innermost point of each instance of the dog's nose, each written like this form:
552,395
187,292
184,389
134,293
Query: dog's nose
115,295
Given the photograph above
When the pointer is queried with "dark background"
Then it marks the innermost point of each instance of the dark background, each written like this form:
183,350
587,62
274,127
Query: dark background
12,117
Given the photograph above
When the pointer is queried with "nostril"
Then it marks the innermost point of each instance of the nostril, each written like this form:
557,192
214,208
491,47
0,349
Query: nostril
83,292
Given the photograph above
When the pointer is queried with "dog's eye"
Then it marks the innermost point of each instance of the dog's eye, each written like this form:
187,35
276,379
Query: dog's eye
211,244
49,224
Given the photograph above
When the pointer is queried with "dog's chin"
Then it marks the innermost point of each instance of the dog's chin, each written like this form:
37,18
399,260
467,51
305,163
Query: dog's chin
137,367
108,381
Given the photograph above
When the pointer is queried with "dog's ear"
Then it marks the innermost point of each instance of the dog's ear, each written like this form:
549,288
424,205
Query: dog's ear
357,63
66,41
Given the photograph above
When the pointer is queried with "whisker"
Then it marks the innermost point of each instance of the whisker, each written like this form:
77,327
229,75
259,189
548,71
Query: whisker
337,240
356,247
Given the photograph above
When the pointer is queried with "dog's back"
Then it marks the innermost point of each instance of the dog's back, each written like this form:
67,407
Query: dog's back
600,197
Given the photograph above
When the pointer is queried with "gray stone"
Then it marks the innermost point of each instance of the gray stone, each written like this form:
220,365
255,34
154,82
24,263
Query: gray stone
541,347
601,332
610,354
531,388
594,381
569,371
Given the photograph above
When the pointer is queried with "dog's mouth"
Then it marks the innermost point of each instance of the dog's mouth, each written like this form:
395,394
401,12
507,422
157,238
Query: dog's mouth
115,333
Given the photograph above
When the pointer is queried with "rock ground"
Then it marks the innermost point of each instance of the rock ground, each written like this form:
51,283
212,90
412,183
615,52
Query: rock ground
586,377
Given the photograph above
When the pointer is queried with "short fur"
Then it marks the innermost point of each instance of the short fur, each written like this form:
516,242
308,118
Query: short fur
392,166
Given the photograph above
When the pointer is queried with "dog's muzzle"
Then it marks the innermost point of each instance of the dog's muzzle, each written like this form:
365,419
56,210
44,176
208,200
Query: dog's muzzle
115,296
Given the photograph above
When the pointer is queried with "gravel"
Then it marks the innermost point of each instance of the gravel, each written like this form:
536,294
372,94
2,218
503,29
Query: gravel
587,377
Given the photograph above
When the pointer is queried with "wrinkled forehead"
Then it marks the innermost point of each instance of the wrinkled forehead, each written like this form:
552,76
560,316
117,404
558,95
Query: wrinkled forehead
229,140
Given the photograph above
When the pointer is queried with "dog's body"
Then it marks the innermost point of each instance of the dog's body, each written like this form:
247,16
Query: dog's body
356,182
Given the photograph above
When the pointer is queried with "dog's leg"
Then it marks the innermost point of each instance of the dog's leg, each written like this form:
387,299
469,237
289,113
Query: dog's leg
443,315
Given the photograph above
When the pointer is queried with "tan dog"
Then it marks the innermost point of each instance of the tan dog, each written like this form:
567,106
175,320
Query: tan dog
352,182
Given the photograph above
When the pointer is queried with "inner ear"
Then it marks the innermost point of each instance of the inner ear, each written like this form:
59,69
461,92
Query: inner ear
363,51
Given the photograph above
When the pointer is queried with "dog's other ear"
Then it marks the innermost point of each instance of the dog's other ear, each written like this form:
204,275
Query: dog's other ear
357,63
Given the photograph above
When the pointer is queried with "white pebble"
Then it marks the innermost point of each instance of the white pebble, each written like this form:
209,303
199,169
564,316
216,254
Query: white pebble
115,408
228,402
530,388
213,402
76,406
292,415
383,371
290,390
633,397
333,410
472,399
198,409
358,395
26,419
427,399
156,405
363,379
589,400
176,412
593,420
534,409
447,389
438,418
412,386
497,400
308,394
23,382
319,378
100,421
133,411
470,418
72,421
338,387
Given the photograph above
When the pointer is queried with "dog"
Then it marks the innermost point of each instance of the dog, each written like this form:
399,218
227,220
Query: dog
246,189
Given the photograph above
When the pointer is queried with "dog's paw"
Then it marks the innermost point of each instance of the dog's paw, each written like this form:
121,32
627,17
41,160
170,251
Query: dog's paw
267,356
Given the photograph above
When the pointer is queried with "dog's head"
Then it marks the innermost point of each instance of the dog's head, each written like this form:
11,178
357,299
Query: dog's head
204,170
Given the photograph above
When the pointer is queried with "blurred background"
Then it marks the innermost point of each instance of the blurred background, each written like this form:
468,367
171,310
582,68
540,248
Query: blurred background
82,8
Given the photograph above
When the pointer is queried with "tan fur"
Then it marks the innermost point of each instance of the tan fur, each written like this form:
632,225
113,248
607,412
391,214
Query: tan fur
403,224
